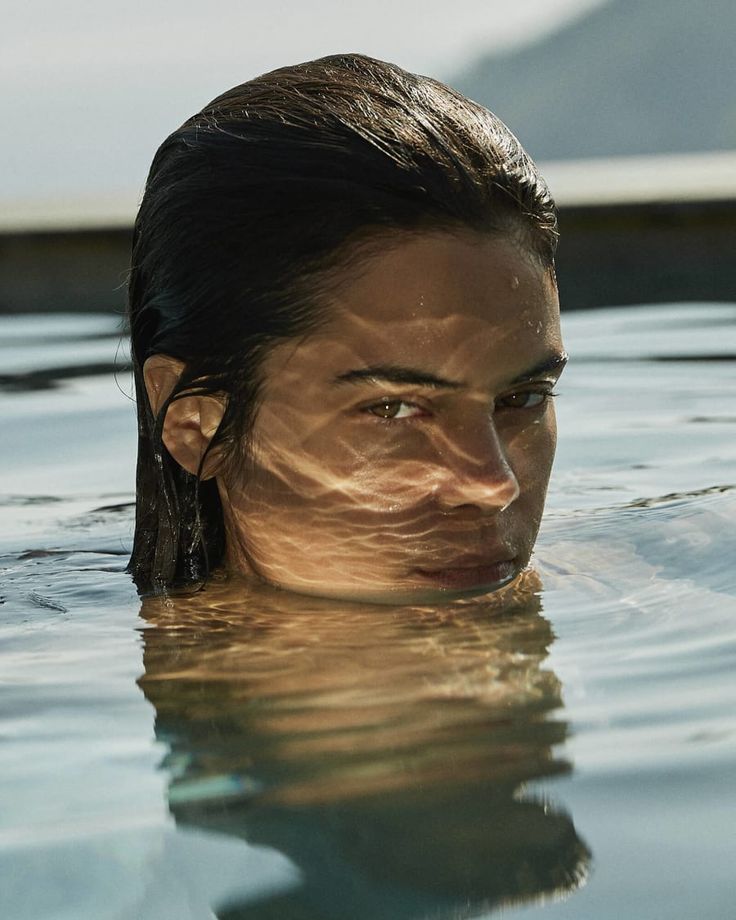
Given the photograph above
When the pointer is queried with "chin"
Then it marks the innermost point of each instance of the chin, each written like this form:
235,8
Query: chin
404,594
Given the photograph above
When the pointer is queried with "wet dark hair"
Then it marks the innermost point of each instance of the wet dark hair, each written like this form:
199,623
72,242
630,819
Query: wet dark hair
251,207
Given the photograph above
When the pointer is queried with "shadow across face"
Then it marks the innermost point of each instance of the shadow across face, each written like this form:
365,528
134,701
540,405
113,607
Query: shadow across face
385,751
401,451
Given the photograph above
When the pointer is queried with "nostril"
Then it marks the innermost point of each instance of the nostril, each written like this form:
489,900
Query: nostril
488,489
474,469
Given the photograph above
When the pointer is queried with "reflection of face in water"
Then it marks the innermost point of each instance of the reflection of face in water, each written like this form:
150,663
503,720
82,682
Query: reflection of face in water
383,750
403,451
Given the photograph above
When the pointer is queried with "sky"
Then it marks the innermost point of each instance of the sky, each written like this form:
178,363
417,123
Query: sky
89,88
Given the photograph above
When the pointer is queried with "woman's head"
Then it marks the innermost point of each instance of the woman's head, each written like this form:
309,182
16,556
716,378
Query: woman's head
308,246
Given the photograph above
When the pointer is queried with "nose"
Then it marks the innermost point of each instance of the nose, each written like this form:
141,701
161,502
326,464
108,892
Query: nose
476,472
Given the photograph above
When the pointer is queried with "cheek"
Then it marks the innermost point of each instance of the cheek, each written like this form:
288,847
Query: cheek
364,470
370,472
318,531
531,453
361,490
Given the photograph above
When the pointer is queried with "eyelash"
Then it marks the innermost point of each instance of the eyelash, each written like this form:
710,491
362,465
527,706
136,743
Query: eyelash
545,393
390,419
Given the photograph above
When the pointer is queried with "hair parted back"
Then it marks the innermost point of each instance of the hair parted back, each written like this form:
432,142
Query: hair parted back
248,208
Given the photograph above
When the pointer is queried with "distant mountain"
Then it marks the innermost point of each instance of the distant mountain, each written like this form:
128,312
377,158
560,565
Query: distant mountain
631,77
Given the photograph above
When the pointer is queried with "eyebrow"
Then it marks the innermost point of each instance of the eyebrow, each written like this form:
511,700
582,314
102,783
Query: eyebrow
396,373
399,374
548,365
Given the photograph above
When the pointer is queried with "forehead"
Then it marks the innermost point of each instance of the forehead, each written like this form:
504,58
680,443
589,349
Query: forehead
465,305
441,292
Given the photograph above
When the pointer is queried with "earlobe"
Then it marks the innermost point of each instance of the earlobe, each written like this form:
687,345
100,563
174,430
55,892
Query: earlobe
191,421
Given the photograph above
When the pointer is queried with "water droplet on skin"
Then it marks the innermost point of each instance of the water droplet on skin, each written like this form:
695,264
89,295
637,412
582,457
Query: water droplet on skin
514,283
420,307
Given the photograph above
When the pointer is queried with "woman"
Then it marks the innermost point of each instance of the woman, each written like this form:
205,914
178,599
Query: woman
345,338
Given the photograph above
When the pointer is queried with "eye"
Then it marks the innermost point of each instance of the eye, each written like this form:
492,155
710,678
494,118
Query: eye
394,409
524,399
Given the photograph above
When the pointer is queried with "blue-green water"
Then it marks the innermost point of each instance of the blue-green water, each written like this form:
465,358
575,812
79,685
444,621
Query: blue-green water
244,754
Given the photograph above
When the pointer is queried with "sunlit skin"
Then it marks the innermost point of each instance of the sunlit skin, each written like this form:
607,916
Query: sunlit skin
401,453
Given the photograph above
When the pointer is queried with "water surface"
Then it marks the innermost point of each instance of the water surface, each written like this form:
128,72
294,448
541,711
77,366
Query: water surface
252,754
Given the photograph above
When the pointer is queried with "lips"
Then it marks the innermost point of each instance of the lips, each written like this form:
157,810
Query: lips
467,574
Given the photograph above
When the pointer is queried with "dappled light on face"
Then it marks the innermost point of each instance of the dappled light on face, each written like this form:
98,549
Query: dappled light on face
388,462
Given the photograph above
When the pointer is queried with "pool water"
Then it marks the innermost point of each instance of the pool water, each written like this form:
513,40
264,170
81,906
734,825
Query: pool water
244,753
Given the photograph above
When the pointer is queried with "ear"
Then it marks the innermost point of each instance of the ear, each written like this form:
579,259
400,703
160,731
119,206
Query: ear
191,421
